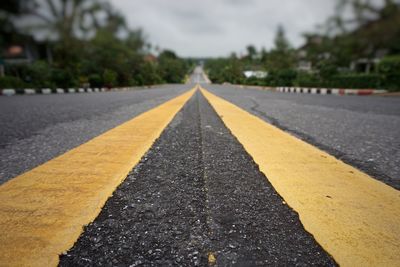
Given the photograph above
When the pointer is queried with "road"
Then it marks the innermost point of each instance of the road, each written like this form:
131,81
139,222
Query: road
36,128
198,76
363,131
207,192
178,197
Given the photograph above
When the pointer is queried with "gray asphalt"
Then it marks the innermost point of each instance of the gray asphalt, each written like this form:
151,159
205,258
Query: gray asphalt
363,131
37,128
198,77
196,191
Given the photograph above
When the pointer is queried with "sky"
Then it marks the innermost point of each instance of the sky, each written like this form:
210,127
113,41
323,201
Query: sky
211,28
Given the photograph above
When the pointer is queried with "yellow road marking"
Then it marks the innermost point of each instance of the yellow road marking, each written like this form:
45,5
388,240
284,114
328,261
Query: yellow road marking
42,212
353,216
211,258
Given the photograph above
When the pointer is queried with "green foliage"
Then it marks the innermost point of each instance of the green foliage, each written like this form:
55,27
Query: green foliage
389,68
351,81
357,81
359,29
39,74
11,82
63,78
97,55
148,74
95,80
305,79
254,81
284,77
172,69
109,78
327,71
251,52
281,43
281,57
372,31
229,70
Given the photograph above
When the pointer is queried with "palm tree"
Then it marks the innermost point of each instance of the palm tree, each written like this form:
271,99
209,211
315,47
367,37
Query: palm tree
65,19
68,22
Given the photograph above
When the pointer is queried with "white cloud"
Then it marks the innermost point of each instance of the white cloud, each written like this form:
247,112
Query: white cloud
218,27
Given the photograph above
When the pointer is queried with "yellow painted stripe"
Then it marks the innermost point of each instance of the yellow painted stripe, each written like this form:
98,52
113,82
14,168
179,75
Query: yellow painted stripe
42,212
353,216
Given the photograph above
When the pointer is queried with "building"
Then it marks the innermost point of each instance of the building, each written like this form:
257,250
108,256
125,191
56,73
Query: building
256,74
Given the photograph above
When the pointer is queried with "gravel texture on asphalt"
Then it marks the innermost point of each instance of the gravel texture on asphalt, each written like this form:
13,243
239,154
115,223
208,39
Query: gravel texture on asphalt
362,131
37,128
196,192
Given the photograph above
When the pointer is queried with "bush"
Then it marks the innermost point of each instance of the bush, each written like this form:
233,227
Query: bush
11,82
40,75
109,78
327,71
254,81
63,78
281,77
95,80
148,74
353,80
307,80
356,81
389,68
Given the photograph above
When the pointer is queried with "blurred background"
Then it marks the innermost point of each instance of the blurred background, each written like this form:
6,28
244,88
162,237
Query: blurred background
99,43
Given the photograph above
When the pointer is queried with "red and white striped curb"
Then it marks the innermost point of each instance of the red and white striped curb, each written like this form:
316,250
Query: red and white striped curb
329,91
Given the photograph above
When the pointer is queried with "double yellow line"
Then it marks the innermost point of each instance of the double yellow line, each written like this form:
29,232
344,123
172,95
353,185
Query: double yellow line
353,216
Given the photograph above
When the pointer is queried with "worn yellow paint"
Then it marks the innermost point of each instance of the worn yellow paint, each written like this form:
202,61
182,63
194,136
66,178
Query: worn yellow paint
211,258
353,216
42,212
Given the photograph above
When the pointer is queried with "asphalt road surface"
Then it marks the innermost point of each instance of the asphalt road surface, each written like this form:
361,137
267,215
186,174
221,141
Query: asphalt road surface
198,76
37,128
197,193
185,200
363,131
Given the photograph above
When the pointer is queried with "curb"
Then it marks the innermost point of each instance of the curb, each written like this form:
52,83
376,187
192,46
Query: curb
329,91
256,87
47,91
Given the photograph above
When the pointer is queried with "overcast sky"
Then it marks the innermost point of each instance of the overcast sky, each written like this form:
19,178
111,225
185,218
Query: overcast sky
203,28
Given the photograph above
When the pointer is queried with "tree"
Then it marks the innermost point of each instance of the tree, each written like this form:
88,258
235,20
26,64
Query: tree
251,52
281,43
90,42
109,78
9,9
172,68
370,27
65,23
282,55
65,20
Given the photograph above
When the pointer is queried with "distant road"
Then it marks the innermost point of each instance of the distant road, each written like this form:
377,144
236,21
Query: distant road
198,76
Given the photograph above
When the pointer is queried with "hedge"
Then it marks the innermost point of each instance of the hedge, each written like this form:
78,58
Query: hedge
11,82
356,81
389,68
351,81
